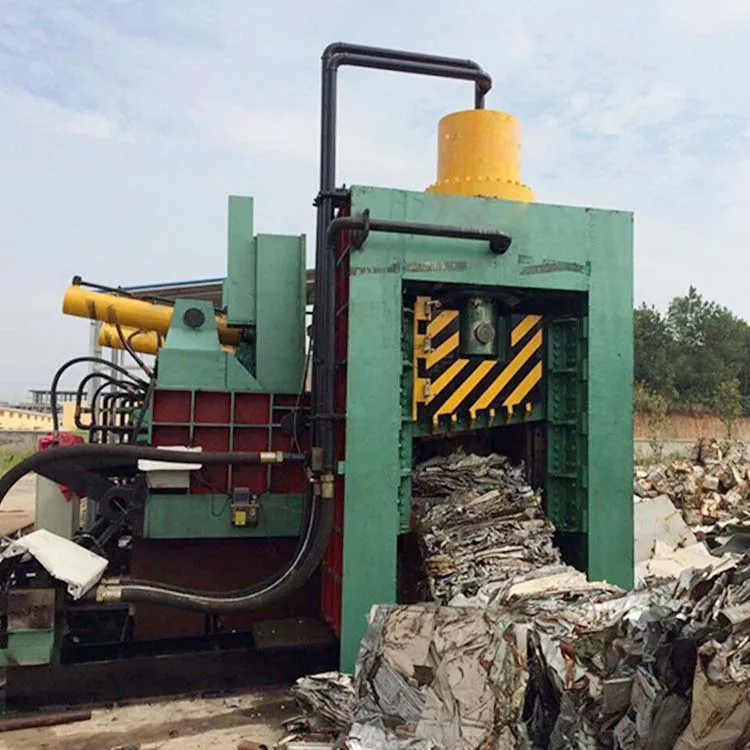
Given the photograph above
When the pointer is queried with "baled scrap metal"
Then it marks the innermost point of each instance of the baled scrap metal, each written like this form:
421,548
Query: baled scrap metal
667,642
536,656
442,677
479,521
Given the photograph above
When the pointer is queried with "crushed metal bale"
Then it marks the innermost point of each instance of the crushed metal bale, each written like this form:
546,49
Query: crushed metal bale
479,522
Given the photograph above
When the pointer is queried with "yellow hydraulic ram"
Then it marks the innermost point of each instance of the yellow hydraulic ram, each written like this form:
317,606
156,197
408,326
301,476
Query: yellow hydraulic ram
141,341
132,313
479,154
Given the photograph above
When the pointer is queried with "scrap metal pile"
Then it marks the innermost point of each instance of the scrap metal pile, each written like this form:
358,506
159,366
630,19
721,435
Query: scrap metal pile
521,651
479,523
711,489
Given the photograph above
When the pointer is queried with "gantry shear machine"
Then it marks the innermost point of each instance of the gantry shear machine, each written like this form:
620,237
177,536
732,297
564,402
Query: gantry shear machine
252,481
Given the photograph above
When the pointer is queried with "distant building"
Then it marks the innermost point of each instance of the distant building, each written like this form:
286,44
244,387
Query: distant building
15,419
68,423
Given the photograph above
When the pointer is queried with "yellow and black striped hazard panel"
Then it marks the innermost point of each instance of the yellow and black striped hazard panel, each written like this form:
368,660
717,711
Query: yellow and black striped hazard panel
446,385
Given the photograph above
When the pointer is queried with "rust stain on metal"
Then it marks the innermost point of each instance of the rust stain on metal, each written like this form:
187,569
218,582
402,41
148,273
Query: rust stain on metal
556,266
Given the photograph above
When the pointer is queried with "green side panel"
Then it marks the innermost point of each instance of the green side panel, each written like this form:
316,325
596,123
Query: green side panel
610,400
280,348
209,517
28,648
553,247
240,284
184,368
373,457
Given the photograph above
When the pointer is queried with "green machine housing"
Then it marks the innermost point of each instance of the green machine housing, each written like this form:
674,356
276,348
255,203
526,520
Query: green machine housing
439,321
555,390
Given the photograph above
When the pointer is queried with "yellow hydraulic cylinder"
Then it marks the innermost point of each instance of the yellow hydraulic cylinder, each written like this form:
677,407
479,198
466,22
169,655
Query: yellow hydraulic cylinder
141,341
131,313
479,155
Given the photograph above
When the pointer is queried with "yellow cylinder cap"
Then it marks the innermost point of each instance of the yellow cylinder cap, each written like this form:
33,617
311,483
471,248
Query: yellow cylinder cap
479,156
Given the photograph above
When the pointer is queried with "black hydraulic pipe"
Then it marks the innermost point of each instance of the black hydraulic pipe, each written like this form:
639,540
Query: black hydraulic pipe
342,53
317,522
395,54
334,56
109,380
426,67
132,453
499,242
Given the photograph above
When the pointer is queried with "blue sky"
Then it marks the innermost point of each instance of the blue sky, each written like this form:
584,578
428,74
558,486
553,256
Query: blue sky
125,124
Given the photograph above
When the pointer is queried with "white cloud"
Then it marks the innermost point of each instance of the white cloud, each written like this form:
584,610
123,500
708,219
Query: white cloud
124,125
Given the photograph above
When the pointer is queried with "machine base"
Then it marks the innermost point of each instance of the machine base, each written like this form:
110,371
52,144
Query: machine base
275,653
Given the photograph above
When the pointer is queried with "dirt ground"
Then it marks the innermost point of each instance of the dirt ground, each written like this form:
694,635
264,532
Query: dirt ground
190,724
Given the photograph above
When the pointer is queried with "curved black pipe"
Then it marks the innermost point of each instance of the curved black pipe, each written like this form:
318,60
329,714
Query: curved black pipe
395,54
109,380
98,412
482,80
334,56
129,349
499,242
70,363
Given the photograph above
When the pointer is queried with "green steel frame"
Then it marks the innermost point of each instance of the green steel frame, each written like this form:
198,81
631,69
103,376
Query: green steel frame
574,265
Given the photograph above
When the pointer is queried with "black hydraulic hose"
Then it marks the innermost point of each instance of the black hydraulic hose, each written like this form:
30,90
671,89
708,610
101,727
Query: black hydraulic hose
109,380
317,524
97,412
134,453
307,558
129,348
61,370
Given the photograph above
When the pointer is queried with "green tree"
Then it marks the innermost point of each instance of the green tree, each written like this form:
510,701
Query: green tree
710,346
653,351
728,404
